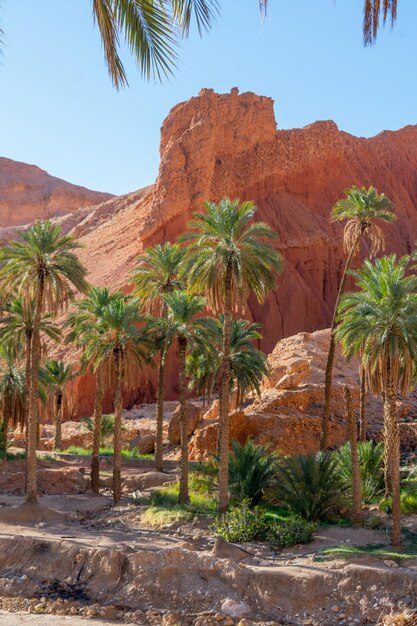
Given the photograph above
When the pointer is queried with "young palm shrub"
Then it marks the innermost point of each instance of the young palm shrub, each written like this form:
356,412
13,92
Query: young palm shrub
58,374
41,266
248,366
379,322
371,457
12,392
106,427
228,257
119,347
361,209
83,323
309,485
156,274
251,471
183,326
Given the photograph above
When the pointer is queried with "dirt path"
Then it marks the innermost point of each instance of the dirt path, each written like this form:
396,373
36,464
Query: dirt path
15,619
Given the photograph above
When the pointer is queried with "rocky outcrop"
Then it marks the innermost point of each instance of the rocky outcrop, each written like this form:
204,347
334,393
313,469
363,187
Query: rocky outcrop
287,415
28,193
193,414
215,145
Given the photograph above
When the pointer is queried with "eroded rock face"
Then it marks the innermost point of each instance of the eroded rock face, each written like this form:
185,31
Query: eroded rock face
288,413
28,193
215,145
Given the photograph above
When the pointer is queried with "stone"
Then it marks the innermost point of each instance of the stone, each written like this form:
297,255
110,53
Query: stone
222,549
390,563
144,445
233,608
193,417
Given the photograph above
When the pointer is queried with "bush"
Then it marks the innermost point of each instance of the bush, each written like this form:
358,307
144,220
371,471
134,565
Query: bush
243,524
251,471
371,458
289,533
310,485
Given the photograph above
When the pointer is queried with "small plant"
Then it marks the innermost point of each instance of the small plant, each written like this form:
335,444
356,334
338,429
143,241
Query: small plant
371,458
242,523
310,485
107,426
289,533
251,471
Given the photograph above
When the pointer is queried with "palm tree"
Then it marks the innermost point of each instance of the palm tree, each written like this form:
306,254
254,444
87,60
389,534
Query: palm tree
371,17
119,347
190,332
12,392
379,322
229,257
16,325
156,273
58,375
356,472
84,323
248,366
43,267
362,208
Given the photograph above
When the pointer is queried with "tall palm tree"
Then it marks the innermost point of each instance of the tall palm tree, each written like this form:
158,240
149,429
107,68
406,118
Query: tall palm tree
58,374
189,332
228,257
16,325
119,347
379,322
248,366
41,266
361,209
156,274
83,323
12,391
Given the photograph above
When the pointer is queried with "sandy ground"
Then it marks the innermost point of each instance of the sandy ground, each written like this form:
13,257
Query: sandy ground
15,619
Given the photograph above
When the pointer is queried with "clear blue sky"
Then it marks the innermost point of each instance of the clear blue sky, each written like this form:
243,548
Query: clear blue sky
59,110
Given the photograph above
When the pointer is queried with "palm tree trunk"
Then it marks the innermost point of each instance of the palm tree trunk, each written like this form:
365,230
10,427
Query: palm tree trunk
184,496
98,412
387,453
357,517
224,398
58,422
324,441
362,406
160,394
117,444
392,432
31,482
29,335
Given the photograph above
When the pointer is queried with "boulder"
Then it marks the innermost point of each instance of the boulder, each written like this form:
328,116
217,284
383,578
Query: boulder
145,481
193,416
144,445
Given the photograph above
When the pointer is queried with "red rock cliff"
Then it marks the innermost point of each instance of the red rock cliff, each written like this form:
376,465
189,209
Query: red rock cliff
215,145
28,193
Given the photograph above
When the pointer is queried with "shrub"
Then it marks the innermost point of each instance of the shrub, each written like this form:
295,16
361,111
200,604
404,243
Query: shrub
251,471
310,485
289,533
242,523
107,426
371,458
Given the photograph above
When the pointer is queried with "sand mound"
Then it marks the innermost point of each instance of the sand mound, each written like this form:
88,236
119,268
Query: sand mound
29,513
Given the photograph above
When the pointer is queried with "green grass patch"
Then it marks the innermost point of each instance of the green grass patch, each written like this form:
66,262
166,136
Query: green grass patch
276,513
408,503
108,451
12,456
378,550
164,510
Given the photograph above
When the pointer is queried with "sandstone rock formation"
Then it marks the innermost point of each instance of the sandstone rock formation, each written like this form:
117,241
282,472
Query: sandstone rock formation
193,417
28,193
288,414
215,145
